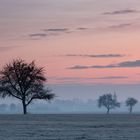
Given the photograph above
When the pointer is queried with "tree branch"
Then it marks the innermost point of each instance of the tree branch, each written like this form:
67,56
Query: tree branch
10,93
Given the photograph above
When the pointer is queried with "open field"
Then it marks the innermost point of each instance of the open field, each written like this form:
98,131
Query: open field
70,127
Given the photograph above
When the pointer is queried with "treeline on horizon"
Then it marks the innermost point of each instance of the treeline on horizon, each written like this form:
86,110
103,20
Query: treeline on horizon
63,106
27,83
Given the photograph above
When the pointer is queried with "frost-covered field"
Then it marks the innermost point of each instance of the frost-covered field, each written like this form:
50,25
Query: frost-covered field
70,127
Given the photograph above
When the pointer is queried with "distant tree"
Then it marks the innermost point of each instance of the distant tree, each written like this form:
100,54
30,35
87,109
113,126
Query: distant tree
109,101
130,103
24,81
3,107
12,107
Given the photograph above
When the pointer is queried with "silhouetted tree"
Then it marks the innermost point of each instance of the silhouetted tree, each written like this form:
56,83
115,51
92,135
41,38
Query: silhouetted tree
24,81
109,101
131,102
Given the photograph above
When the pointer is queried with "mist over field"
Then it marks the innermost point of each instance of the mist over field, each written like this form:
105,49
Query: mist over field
59,106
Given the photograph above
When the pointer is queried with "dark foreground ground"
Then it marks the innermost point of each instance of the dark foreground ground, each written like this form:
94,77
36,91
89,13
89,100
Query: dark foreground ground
70,127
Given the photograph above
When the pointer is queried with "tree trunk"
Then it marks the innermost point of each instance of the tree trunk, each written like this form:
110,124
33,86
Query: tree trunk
108,111
24,108
130,110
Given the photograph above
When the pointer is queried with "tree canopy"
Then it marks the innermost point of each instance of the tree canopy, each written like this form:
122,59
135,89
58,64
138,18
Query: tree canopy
108,101
131,102
24,81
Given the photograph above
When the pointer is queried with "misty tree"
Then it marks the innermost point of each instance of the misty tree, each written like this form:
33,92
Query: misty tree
24,81
12,107
130,103
3,107
108,101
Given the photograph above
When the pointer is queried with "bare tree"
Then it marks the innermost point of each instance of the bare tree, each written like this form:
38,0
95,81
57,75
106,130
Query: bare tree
131,102
24,81
109,101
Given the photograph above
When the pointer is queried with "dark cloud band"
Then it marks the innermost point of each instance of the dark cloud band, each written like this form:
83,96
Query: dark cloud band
95,56
118,12
126,64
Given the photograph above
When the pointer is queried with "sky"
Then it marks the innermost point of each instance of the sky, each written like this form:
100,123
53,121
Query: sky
87,47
